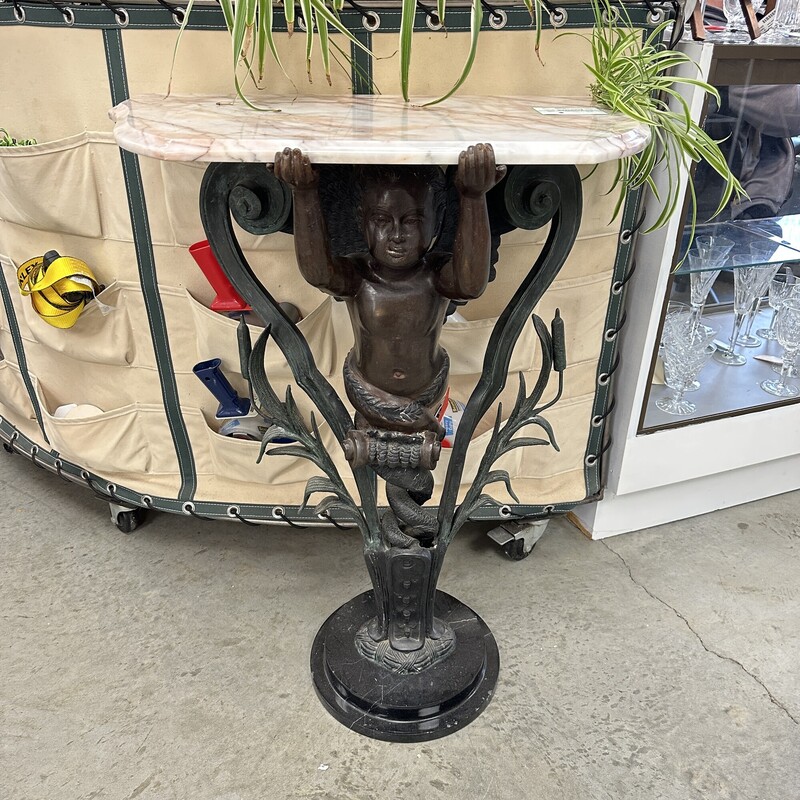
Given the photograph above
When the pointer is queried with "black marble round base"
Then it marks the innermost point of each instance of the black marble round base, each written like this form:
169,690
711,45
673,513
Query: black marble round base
404,708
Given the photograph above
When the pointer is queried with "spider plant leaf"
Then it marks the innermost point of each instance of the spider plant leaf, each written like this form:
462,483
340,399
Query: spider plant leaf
308,17
321,9
366,78
324,45
441,8
250,12
288,14
249,103
474,29
184,23
266,38
239,31
409,8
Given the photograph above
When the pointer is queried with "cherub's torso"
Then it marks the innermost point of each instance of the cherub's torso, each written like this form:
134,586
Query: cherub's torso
396,322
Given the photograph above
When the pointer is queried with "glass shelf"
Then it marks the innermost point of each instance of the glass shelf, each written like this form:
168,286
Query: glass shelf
783,233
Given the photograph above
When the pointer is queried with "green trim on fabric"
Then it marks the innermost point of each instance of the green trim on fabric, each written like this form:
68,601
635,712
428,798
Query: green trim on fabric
145,259
19,349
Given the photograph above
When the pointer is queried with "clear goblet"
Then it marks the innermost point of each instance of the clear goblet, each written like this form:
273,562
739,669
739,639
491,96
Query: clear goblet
700,283
788,331
766,272
744,290
679,316
713,250
686,352
780,288
735,25
787,18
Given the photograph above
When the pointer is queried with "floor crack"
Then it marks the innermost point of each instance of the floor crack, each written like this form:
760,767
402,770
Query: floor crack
699,638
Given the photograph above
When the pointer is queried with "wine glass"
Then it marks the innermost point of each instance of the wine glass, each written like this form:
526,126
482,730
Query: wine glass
686,351
712,252
788,332
766,272
744,286
700,283
735,24
678,314
780,288
787,18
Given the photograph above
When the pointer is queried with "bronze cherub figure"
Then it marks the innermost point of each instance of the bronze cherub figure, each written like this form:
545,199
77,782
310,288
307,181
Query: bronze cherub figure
397,293
396,375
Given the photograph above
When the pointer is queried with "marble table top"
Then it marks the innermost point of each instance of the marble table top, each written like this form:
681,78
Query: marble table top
366,129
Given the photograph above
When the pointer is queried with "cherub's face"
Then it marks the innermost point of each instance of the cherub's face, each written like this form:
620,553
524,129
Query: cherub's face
399,223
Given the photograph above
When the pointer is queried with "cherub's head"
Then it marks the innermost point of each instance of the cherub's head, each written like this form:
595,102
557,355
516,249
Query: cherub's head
400,212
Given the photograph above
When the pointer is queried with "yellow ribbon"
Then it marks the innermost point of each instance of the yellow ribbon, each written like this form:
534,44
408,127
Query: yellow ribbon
58,291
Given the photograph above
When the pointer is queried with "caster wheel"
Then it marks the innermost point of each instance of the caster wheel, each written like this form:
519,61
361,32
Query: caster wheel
8,448
129,521
515,549
517,539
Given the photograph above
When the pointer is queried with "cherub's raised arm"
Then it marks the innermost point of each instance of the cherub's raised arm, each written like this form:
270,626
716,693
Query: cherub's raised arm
466,275
311,242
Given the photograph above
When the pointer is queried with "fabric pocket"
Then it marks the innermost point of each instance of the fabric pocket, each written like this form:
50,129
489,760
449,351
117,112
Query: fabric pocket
326,329
15,402
51,187
277,480
131,442
96,337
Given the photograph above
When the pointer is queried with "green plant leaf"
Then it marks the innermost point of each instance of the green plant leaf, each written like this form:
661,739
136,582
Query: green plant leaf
324,45
474,30
408,10
320,7
637,78
184,23
288,14
308,17
266,38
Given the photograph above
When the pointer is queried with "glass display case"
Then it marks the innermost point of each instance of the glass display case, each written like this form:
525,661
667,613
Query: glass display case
732,278
663,467
753,259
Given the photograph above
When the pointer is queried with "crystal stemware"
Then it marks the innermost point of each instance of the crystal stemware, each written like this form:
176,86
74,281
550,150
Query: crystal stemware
700,283
787,18
766,272
744,290
713,250
705,264
788,331
780,288
686,352
678,315
735,24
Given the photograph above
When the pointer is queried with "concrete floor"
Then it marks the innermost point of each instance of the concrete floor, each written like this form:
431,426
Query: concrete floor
172,663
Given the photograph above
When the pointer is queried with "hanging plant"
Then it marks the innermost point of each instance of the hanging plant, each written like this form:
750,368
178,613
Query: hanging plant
637,78
251,26
632,76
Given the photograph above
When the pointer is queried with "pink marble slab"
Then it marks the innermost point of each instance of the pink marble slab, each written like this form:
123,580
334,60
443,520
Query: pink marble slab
365,129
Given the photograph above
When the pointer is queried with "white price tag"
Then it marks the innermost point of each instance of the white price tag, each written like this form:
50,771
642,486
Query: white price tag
589,111
767,21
